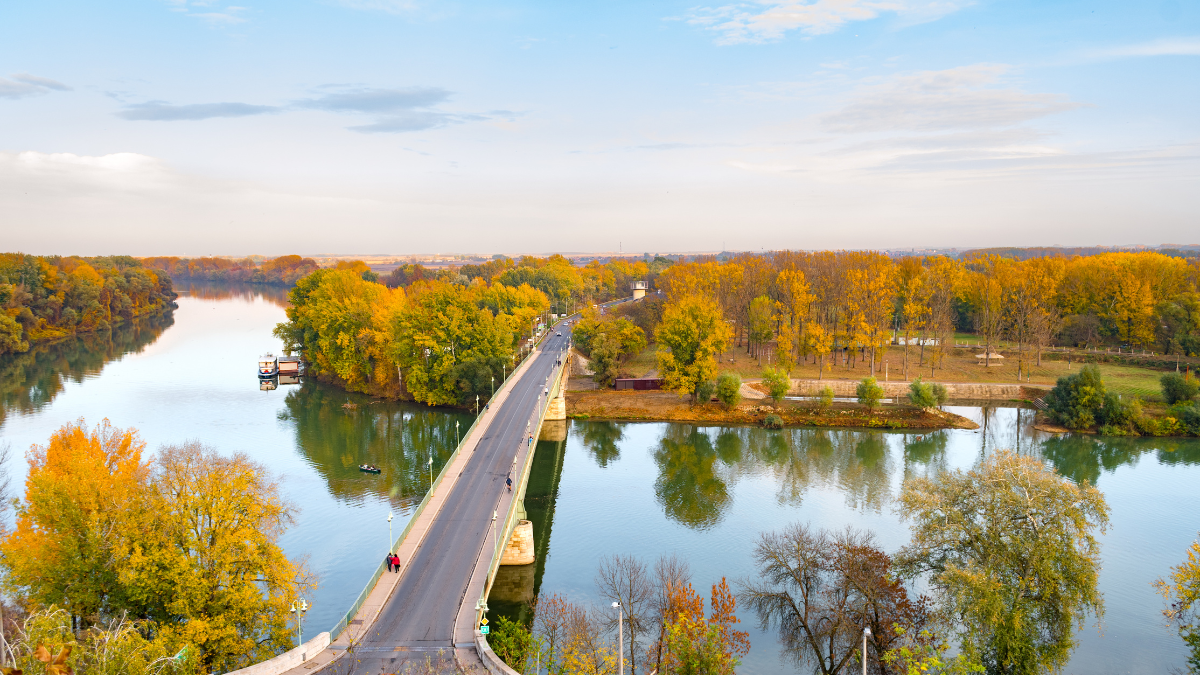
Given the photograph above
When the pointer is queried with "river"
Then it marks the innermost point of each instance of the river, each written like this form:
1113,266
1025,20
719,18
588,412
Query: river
644,489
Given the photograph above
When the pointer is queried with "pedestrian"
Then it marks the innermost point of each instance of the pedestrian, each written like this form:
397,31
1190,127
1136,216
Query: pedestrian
396,563
388,559
508,482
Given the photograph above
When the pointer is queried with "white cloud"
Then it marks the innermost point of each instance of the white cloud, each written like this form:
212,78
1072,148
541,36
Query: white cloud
767,20
388,6
24,84
1184,46
958,98
122,170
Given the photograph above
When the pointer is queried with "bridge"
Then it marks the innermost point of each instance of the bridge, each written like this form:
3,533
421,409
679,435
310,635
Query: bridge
453,545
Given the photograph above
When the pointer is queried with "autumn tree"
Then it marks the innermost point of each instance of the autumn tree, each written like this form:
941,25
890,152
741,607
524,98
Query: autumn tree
606,341
695,645
205,564
870,285
1010,548
1181,590
793,307
761,324
915,292
985,290
691,335
81,494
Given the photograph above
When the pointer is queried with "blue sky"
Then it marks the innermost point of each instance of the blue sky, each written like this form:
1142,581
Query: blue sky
405,126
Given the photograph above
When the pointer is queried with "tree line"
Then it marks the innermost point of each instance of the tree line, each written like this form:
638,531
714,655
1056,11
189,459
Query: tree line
285,270
814,305
44,298
444,339
116,551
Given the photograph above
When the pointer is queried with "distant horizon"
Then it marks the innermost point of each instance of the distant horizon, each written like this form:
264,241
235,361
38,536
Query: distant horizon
624,254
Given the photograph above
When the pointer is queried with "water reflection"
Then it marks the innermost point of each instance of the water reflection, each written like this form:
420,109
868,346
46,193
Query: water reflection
688,487
1085,458
600,439
31,380
276,295
339,431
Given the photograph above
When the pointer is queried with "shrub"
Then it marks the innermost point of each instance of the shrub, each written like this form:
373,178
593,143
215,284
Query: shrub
1077,400
921,394
1177,388
869,392
825,398
773,422
940,393
1120,414
704,391
777,383
729,389
1188,415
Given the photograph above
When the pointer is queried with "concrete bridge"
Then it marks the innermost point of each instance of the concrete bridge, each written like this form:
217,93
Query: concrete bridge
454,544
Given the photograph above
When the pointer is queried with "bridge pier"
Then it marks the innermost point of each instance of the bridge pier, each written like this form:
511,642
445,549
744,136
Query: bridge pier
520,549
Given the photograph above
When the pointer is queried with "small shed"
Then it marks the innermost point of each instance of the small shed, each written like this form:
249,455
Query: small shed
639,383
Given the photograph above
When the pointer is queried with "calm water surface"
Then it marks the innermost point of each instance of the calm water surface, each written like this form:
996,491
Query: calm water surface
645,489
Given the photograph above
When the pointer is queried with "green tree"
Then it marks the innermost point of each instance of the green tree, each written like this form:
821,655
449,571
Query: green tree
925,395
1077,400
869,392
777,383
690,336
609,343
1182,592
705,391
825,397
729,389
1009,546
513,643
1178,388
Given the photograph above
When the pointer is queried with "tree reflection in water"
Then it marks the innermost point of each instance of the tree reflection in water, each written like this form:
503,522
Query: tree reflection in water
687,487
394,436
697,467
31,380
600,439
276,295
1084,458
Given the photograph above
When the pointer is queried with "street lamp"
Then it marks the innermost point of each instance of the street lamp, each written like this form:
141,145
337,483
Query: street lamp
457,442
299,613
493,386
866,634
494,535
620,638
431,470
389,532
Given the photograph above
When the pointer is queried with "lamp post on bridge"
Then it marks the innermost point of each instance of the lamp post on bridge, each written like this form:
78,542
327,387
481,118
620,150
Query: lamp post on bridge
389,548
620,638
298,612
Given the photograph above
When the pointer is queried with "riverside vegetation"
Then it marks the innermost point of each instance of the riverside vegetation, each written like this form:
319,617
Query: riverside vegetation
46,298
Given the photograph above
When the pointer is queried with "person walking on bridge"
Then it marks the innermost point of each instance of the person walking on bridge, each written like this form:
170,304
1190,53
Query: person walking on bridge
388,559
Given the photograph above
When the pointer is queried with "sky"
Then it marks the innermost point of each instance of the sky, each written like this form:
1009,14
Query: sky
199,127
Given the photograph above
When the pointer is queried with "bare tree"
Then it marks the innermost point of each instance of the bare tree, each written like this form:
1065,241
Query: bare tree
552,621
819,590
625,580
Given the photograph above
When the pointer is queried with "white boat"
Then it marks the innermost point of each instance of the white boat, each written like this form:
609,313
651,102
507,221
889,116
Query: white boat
268,366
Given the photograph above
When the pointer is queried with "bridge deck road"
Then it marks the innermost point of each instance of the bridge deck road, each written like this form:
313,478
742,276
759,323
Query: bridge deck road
419,616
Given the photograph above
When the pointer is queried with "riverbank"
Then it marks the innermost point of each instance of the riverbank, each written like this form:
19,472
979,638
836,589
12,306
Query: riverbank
661,406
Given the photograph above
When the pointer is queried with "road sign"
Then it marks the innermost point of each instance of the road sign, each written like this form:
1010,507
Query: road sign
484,630
483,621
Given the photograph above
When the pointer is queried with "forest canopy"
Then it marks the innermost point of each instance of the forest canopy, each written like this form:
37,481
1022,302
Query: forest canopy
53,297
285,270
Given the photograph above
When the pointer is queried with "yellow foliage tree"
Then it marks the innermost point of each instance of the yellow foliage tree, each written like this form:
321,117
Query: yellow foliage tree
691,335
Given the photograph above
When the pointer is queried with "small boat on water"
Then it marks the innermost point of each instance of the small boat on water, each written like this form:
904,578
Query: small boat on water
268,365
369,468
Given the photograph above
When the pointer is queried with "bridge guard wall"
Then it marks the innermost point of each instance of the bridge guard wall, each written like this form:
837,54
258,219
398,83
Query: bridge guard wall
516,509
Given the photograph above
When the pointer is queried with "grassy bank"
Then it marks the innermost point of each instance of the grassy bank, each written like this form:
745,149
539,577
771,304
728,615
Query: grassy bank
660,406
